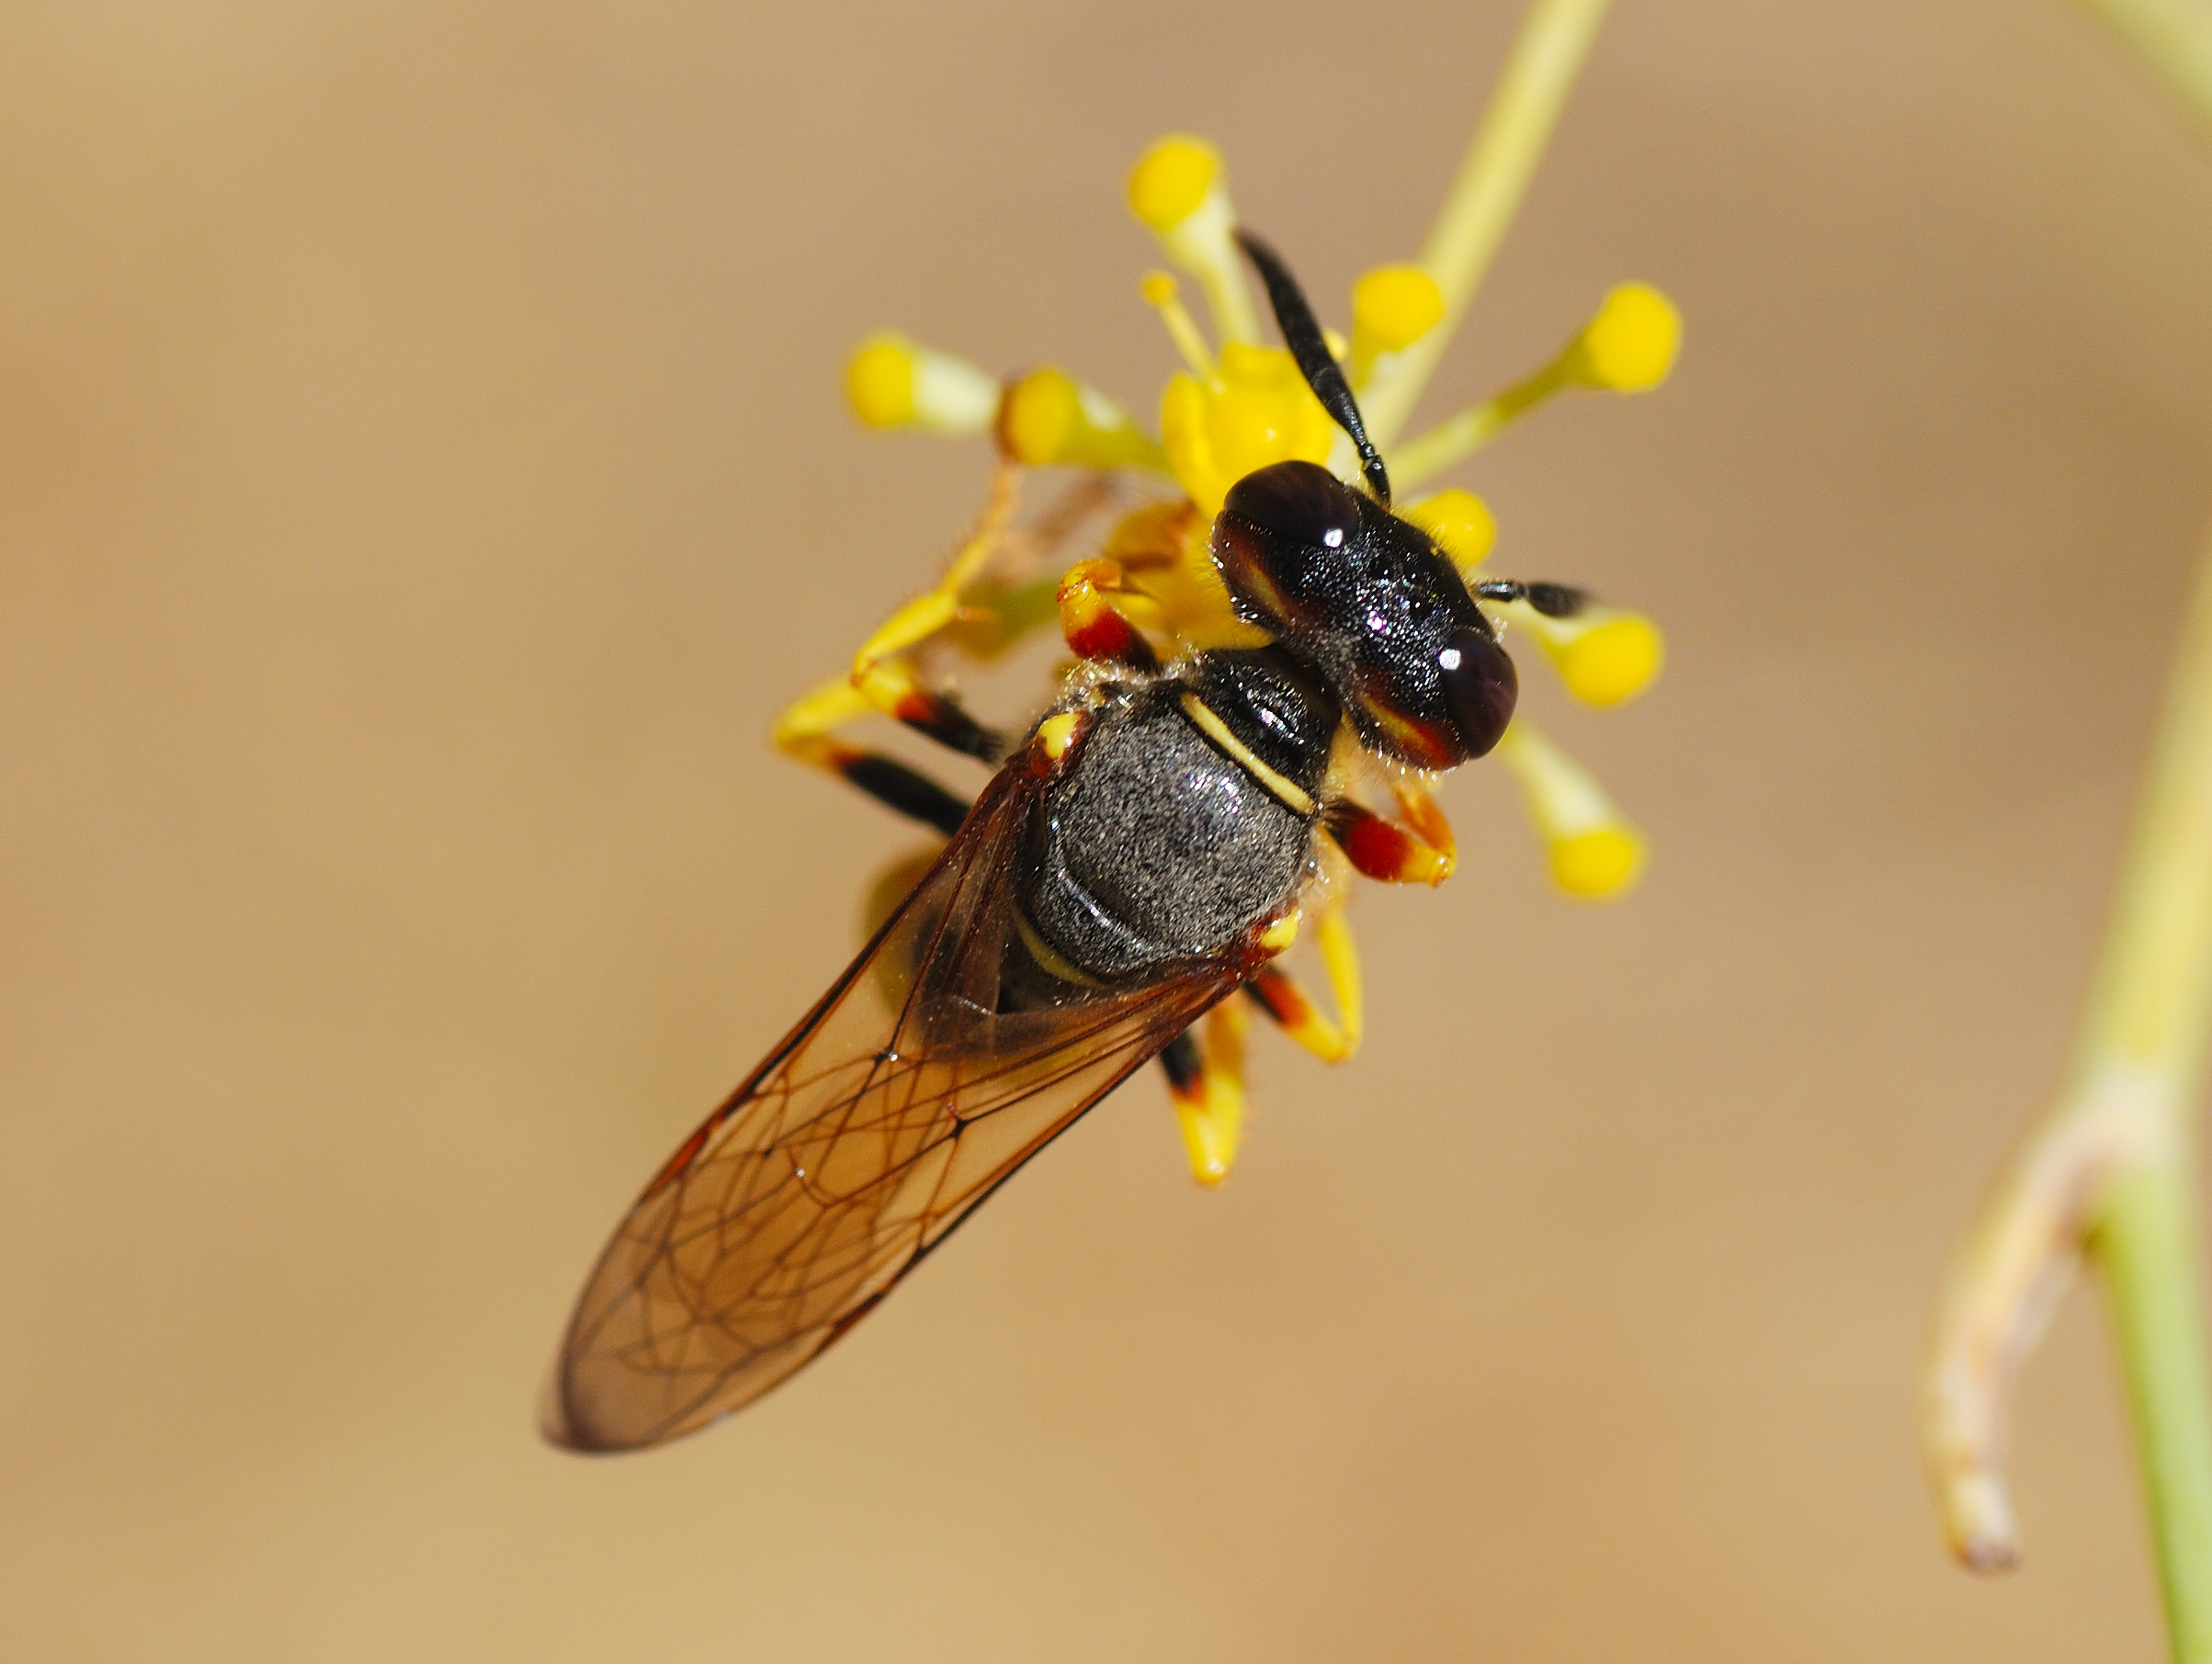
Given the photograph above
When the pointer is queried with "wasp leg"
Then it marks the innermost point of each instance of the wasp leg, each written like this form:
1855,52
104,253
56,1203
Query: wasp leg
1206,1082
1418,848
1278,994
806,730
891,687
1092,616
939,605
882,681
999,611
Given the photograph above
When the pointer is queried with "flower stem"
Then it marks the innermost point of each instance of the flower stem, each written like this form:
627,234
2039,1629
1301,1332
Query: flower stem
2112,1167
1457,437
1524,108
2150,1012
2174,37
2148,1237
2148,1244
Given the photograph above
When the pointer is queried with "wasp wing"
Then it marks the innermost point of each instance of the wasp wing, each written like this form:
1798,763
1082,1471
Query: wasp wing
893,1108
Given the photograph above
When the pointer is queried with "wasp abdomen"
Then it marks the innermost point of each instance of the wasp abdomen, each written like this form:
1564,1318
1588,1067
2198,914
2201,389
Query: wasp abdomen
1187,818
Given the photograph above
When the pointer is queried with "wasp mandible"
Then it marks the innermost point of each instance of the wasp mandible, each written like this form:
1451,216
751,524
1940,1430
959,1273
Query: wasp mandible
1149,848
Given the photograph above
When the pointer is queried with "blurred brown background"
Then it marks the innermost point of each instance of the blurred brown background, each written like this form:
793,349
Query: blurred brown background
423,475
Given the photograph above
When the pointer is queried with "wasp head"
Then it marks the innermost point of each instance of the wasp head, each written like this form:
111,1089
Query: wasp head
1370,602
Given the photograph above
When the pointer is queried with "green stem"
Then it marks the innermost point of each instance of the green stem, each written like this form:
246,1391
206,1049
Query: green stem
2175,38
2112,1167
2149,1245
1532,88
2147,1022
1456,439
2152,1007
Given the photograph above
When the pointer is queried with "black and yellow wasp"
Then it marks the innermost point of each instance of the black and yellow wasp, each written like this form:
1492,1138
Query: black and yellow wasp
1148,848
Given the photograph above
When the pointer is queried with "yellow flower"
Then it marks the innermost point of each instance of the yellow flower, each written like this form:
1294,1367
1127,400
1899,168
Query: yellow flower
1254,409
1240,405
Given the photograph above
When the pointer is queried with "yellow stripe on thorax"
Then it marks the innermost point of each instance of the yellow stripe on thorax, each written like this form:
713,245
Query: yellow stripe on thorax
1286,790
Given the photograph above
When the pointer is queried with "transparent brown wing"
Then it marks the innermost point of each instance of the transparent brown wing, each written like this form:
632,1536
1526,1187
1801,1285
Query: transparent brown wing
899,1102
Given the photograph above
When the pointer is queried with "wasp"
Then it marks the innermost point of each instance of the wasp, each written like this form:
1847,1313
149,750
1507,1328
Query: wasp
1146,851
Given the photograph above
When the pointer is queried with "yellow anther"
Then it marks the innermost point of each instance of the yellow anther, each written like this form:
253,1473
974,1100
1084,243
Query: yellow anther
1258,410
1181,190
1630,345
1614,661
1594,851
1603,654
1461,524
1159,290
879,382
1278,936
1264,412
1392,307
1047,416
1597,864
894,382
1171,179
1057,732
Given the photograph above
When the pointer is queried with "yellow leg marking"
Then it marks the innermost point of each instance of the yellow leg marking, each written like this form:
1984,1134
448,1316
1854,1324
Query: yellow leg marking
1416,848
1339,959
889,686
1002,609
1056,733
1212,1115
1294,1009
809,730
1427,822
890,690
887,673
803,731
932,610
1099,615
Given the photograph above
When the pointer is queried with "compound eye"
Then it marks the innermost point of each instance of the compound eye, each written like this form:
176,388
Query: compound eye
1301,502
1481,687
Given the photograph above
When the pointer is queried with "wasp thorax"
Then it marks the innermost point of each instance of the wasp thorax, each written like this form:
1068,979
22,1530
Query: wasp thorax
1369,601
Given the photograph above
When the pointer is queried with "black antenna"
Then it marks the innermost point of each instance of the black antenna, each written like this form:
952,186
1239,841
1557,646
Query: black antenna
1303,336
